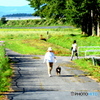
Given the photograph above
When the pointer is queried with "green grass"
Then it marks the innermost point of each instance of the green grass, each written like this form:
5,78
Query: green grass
66,41
5,72
28,39
88,67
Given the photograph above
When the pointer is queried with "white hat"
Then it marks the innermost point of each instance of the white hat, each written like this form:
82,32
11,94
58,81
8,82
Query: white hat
49,49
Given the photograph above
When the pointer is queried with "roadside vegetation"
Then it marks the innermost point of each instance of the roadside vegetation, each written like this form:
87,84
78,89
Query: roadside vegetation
5,73
87,66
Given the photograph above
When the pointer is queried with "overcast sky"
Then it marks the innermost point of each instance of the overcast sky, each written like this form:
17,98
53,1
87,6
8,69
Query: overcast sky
13,2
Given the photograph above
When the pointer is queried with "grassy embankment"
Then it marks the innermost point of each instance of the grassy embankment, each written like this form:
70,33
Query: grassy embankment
33,23
26,41
5,73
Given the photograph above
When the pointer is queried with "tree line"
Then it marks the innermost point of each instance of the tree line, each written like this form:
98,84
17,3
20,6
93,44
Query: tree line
82,13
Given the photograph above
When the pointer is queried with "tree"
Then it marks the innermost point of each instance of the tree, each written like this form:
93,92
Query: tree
82,13
49,8
86,14
3,20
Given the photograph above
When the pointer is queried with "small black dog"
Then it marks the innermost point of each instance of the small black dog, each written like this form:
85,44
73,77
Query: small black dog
58,70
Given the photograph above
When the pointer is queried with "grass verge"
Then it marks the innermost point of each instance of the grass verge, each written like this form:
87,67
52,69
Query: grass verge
5,74
86,65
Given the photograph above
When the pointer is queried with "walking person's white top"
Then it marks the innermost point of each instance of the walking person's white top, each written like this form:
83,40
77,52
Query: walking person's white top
49,57
74,46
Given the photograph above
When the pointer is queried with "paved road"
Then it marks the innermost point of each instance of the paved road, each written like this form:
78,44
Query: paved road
31,81
40,27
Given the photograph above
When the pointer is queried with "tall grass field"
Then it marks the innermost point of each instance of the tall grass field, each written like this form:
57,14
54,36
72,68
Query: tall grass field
27,41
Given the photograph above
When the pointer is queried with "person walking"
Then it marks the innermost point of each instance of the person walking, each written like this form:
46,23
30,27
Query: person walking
74,50
50,58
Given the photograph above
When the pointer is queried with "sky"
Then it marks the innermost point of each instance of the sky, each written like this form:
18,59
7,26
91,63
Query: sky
13,2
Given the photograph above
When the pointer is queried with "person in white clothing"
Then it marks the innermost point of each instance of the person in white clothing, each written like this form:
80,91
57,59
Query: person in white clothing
74,50
49,58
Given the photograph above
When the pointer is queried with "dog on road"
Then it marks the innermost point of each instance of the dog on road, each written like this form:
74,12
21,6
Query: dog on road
58,70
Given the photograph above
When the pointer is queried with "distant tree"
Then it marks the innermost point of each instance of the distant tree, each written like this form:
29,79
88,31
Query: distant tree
3,20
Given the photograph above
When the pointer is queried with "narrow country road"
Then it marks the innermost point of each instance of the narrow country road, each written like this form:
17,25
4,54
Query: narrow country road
31,81
39,27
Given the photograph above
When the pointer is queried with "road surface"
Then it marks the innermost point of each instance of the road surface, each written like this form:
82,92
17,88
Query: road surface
31,81
39,27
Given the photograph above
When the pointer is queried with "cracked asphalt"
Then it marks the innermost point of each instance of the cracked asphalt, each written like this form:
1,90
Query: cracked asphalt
31,80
